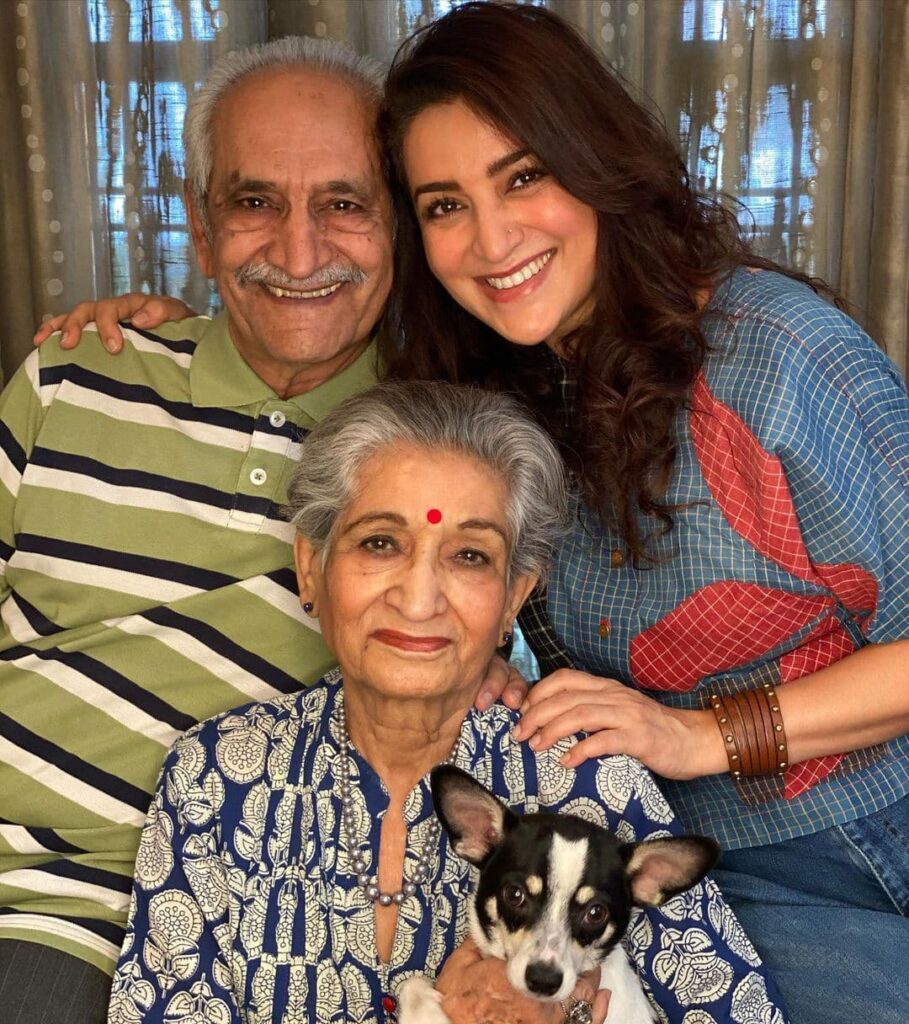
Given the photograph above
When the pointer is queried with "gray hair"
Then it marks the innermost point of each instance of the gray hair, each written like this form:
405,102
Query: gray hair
323,55
490,427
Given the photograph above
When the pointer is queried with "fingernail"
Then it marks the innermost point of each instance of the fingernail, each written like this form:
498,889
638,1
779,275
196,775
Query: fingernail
524,707
484,700
517,731
534,741
110,344
64,337
140,317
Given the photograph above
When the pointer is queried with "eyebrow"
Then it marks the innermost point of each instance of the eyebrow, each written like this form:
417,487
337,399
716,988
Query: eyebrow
483,524
491,171
375,517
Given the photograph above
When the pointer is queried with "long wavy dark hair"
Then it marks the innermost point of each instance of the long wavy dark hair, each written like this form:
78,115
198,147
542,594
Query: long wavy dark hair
659,245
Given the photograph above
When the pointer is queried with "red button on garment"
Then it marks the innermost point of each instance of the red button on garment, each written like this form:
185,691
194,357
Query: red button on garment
389,1004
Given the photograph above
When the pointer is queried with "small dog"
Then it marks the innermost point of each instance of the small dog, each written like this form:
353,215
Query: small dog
554,896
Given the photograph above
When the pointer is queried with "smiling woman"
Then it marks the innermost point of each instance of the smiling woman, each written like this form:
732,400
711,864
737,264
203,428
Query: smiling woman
292,865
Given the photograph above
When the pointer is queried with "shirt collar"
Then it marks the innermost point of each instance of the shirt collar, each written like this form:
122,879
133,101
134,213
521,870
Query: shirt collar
219,377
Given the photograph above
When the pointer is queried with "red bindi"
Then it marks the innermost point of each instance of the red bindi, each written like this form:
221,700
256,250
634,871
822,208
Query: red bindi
434,516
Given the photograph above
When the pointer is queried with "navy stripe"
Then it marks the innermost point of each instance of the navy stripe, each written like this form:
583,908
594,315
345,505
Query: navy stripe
6,551
285,578
288,430
185,345
79,872
114,933
39,622
110,679
143,565
227,648
142,393
68,762
47,837
14,451
257,506
92,468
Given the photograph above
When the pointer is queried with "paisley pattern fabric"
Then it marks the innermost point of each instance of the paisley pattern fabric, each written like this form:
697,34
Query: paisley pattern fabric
245,909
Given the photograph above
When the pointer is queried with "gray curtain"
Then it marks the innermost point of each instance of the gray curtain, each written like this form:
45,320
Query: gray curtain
797,107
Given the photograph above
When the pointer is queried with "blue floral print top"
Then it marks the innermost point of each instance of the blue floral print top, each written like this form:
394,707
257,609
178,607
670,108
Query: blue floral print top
246,911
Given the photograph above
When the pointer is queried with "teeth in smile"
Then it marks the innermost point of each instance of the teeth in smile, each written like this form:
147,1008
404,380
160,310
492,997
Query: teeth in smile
520,276
320,293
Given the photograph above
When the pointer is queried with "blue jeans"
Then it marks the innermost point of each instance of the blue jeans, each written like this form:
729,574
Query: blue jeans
829,914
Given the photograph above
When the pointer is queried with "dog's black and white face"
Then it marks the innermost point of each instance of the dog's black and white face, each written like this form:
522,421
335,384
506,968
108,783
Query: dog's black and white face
555,892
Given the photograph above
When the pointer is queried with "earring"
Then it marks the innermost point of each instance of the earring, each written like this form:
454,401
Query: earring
308,607
507,637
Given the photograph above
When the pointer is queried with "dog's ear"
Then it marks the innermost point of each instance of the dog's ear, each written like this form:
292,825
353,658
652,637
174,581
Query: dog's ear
662,868
476,821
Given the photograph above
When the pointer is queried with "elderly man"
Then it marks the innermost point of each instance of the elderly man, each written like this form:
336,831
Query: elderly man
146,581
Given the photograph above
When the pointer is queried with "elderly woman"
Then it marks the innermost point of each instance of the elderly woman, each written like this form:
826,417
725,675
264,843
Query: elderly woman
292,868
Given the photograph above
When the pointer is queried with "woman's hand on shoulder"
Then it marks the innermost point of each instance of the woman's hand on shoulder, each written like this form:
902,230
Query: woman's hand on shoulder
475,990
145,311
503,681
620,720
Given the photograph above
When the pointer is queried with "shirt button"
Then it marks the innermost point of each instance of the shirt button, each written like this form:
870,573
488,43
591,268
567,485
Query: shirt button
389,1003
277,418
616,558
258,477
605,628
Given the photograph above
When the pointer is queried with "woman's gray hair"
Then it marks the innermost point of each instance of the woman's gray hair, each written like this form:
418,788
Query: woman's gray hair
491,428
292,51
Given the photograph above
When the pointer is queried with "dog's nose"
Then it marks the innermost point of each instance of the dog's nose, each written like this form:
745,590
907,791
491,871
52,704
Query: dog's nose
543,979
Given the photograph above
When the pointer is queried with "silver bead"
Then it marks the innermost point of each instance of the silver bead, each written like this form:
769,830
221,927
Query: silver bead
384,899
359,865
409,889
363,880
372,891
399,897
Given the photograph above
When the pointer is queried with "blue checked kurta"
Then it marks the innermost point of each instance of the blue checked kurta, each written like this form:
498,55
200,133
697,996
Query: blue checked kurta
246,909
791,552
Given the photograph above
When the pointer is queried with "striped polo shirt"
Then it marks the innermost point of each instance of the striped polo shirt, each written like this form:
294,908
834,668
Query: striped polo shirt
147,584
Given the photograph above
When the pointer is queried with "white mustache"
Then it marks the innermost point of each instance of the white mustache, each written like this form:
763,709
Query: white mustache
325,277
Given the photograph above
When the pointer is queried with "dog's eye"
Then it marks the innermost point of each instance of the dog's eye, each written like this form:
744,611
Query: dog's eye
596,915
514,895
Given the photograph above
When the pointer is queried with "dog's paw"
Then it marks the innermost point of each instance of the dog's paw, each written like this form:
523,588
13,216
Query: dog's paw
419,1003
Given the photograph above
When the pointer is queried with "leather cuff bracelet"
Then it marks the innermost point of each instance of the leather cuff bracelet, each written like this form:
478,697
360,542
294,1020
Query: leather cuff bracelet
752,729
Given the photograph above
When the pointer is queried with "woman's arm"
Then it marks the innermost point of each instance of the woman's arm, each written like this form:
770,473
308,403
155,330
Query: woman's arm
856,702
171,964
145,311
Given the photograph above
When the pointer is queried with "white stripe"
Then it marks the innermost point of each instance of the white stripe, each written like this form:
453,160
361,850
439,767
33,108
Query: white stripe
20,629
199,654
566,873
155,589
58,885
277,445
281,600
63,929
100,698
145,414
10,477
70,788
281,531
21,840
143,344
117,494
